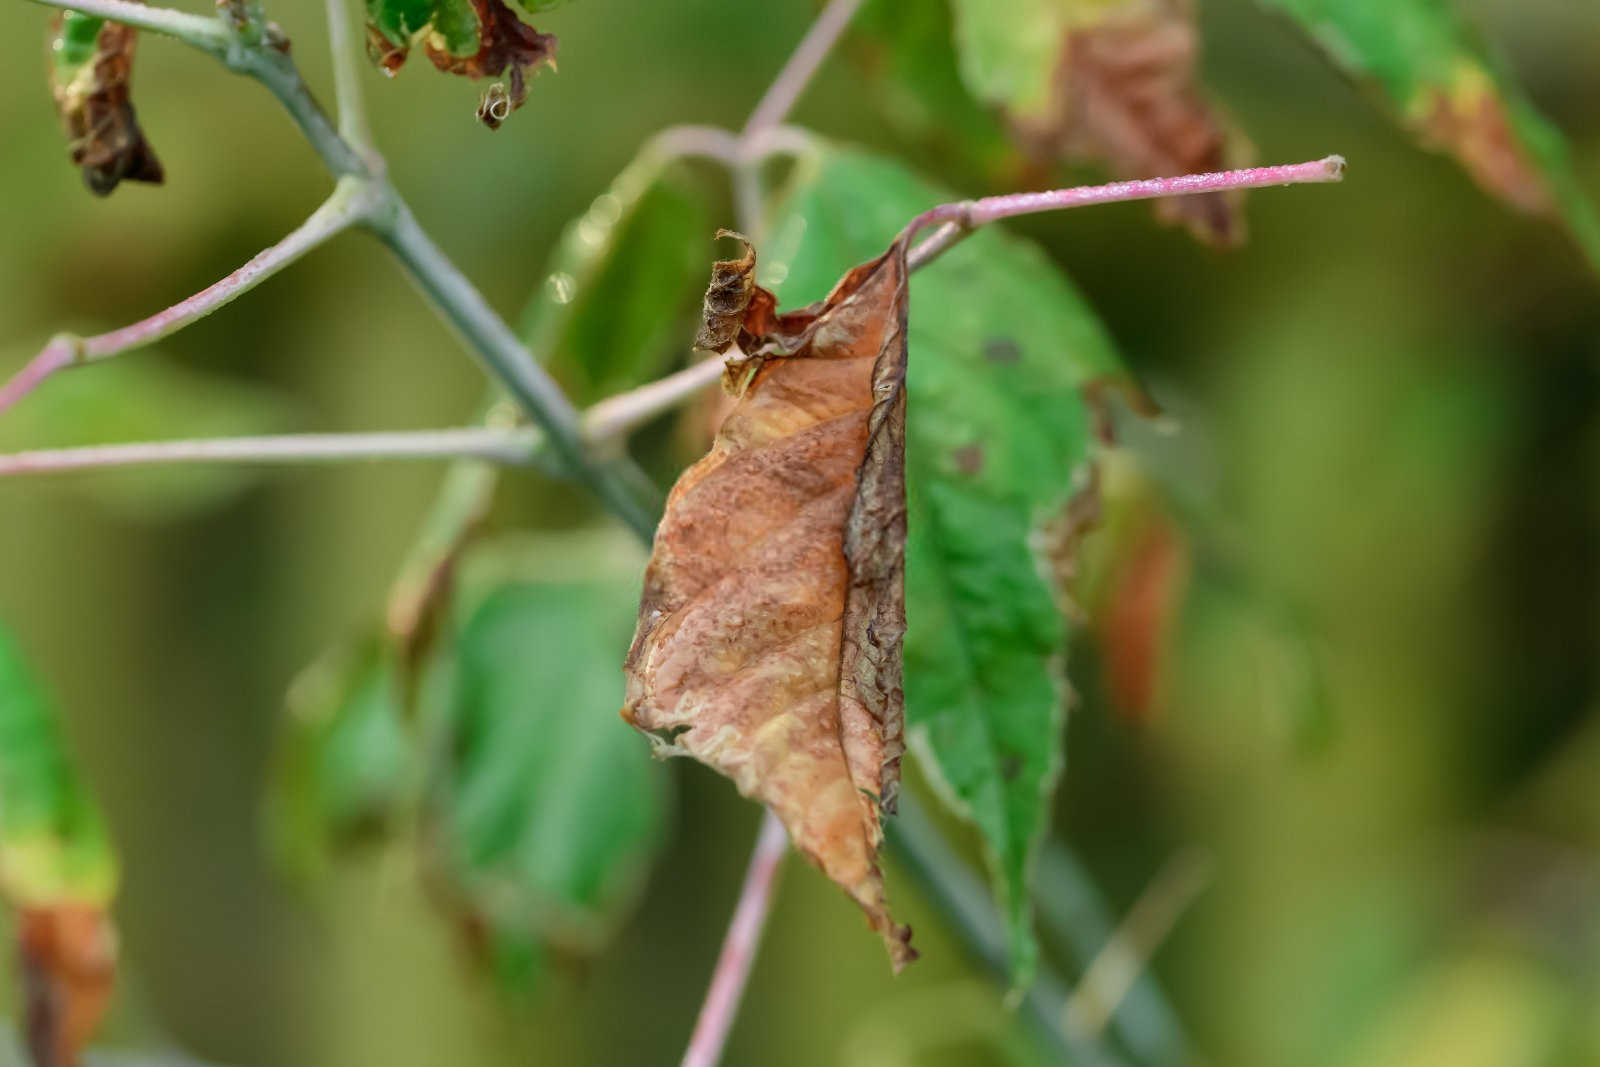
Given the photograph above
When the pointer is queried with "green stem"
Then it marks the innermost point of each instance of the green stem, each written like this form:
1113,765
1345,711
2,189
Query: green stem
505,357
202,31
353,125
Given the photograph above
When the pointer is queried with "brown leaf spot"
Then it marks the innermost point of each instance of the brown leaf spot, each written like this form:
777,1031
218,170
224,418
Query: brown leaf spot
968,459
506,45
1139,620
96,112
1127,95
1002,350
69,963
773,610
1469,120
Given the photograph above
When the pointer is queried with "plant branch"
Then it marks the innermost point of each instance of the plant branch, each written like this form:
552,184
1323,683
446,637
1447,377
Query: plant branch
779,99
518,448
202,31
960,896
353,125
1115,969
738,946
601,427
349,204
510,362
615,417
961,218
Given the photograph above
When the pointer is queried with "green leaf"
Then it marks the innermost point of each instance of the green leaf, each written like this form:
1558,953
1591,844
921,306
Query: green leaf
145,398
1443,87
345,758
626,273
545,808
998,435
53,844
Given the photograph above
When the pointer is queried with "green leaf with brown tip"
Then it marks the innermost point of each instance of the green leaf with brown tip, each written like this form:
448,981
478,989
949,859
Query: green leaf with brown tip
1436,80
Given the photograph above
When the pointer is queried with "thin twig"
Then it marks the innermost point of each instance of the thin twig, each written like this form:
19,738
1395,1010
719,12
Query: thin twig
797,72
346,206
347,94
1074,914
202,31
524,379
510,447
962,217
1118,965
953,888
738,946
601,426
615,417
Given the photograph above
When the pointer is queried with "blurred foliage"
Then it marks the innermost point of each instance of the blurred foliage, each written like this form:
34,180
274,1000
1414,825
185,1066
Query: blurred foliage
1402,428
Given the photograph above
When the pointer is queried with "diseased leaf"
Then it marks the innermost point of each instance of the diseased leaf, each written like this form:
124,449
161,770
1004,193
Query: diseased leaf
145,398
91,67
57,871
1107,81
473,38
543,812
606,315
768,644
999,437
1445,89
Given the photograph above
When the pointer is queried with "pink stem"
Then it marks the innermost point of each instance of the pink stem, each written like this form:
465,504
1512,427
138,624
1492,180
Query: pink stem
338,212
964,216
738,947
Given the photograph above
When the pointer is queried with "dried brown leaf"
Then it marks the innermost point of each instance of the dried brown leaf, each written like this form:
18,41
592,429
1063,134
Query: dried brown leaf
1127,94
96,112
770,628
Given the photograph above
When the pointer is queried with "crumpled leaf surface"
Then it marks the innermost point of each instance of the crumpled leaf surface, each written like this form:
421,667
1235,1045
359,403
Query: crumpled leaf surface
57,872
473,38
1000,437
1424,64
768,644
92,63
1113,82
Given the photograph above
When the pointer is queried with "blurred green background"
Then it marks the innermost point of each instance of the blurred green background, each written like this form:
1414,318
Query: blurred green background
1393,387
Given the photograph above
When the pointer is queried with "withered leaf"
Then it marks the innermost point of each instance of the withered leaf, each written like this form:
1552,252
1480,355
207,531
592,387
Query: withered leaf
769,636
472,38
1110,82
1126,94
93,63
